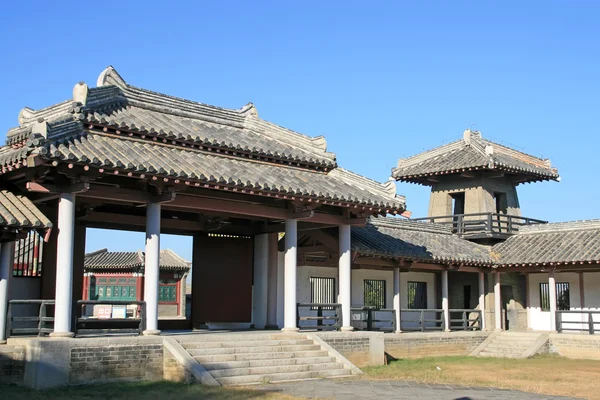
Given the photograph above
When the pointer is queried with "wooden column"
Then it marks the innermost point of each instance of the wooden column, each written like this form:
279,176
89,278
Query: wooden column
151,267
272,283
497,302
481,277
259,292
552,298
78,270
291,260
445,305
6,250
345,276
397,300
581,291
64,266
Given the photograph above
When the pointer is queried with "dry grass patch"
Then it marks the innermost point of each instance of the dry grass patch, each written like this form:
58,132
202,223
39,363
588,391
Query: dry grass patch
550,375
140,390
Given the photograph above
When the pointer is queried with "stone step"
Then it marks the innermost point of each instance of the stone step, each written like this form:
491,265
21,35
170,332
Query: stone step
4,348
499,355
511,345
239,337
290,376
260,349
249,343
221,373
259,356
267,363
498,346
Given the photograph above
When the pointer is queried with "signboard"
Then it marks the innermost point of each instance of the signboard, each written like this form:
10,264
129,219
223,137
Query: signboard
102,311
119,312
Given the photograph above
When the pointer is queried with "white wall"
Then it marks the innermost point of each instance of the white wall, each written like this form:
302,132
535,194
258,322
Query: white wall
540,320
358,277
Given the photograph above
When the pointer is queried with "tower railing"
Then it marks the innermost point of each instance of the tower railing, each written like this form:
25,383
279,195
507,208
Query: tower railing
483,223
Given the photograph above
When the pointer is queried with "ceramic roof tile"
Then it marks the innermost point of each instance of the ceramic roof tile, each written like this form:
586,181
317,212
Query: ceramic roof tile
104,259
562,242
141,157
418,241
17,211
472,152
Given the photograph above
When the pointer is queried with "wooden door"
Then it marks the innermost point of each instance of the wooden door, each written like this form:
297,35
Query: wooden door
222,279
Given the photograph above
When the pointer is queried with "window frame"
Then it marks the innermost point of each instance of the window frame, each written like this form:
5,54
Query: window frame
327,283
561,289
382,283
415,284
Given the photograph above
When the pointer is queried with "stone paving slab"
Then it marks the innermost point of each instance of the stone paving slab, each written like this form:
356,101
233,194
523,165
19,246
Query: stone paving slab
395,390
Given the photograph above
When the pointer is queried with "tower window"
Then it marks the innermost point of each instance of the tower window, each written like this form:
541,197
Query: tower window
458,203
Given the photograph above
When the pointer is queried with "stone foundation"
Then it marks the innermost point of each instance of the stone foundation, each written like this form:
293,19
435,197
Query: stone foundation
575,345
433,344
12,364
360,348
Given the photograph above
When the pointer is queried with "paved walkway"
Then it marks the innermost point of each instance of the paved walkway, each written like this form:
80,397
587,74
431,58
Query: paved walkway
388,390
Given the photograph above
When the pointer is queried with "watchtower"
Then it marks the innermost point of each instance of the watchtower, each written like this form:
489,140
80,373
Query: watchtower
474,185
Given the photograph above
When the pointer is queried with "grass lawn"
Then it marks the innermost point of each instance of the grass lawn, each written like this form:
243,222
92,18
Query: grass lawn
547,375
139,390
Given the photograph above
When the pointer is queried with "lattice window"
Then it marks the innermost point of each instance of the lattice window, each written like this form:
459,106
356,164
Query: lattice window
374,293
417,295
28,255
563,296
322,290
167,293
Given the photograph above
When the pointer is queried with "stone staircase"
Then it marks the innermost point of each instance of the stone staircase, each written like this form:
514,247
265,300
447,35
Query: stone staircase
512,345
251,358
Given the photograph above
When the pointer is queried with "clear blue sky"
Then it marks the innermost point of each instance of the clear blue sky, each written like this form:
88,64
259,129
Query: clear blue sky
380,81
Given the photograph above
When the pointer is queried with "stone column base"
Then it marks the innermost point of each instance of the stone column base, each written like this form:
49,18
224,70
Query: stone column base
290,330
62,334
347,328
151,332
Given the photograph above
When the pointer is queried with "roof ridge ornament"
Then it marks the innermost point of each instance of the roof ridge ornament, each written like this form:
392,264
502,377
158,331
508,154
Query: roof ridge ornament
319,142
110,76
249,109
468,134
25,114
80,93
40,127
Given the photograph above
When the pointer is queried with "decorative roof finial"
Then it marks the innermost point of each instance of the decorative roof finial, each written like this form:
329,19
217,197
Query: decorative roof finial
110,77
80,93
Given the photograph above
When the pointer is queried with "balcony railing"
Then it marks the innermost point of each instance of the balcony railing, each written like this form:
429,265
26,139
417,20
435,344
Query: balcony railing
578,321
483,224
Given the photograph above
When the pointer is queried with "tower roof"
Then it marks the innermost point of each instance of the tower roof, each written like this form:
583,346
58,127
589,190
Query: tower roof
473,152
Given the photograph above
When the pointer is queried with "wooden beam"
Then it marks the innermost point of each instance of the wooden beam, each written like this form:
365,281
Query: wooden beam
468,174
314,249
201,204
36,187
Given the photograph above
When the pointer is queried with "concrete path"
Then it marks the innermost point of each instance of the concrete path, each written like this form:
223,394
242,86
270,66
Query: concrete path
388,390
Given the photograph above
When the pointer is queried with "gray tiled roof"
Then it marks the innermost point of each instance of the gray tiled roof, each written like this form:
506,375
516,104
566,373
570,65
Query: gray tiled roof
104,259
472,153
119,126
562,242
19,212
142,157
417,241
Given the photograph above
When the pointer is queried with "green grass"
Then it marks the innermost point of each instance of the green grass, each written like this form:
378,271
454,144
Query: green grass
139,390
550,375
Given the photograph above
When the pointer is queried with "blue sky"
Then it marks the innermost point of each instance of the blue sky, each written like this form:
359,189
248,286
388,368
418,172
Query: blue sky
381,81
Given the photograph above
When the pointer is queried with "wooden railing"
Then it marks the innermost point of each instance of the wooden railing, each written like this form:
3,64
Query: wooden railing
477,223
34,323
469,320
131,322
371,319
424,321
319,316
585,322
